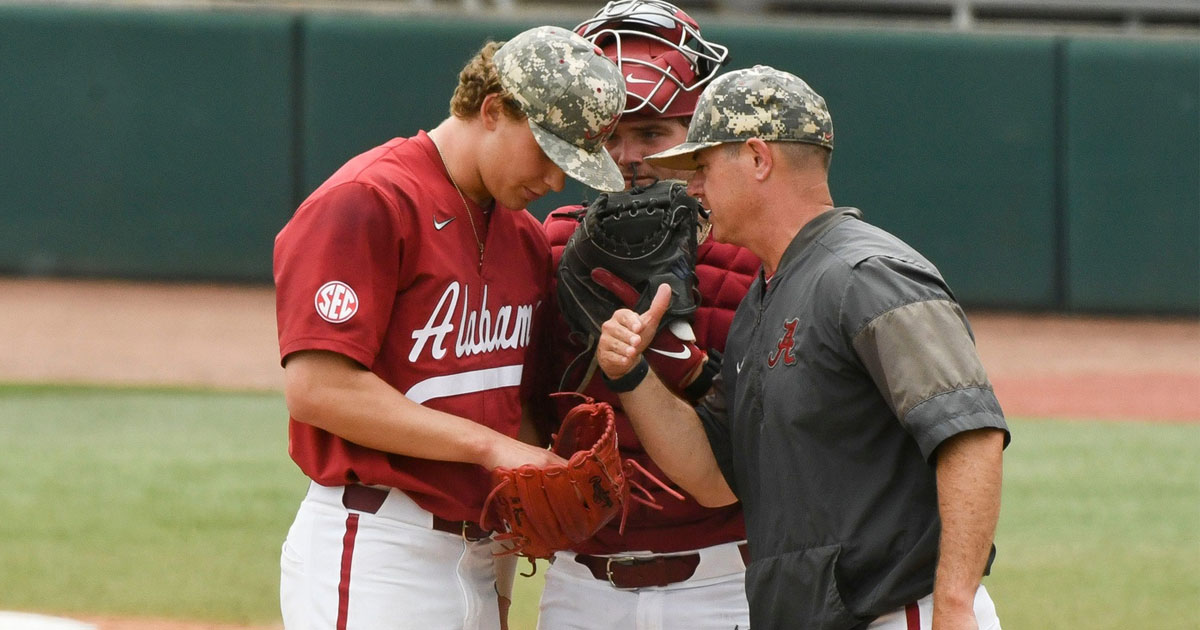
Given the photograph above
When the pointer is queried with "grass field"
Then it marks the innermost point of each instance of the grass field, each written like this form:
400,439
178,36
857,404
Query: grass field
173,503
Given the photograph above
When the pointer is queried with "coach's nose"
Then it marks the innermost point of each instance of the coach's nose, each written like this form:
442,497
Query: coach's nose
695,186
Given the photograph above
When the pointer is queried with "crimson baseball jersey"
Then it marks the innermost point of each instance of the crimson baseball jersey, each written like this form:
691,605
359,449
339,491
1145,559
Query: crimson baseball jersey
381,264
724,273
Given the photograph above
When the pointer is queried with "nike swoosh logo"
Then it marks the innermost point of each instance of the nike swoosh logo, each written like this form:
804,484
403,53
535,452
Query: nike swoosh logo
629,78
682,355
438,225
739,366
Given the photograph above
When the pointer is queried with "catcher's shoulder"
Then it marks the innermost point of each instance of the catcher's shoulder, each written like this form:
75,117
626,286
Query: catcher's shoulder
560,224
726,257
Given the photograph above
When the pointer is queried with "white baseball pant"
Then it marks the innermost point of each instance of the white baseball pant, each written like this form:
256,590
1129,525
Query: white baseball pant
349,569
919,615
712,598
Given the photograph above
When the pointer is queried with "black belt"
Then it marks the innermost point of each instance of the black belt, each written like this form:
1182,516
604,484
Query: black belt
367,499
644,571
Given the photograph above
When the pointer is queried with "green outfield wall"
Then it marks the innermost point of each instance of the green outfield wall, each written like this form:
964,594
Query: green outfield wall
1131,175
144,144
1041,172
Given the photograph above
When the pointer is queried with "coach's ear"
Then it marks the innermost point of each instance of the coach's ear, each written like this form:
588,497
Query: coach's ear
764,159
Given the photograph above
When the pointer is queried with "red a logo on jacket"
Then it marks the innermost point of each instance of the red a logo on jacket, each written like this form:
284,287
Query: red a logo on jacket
784,349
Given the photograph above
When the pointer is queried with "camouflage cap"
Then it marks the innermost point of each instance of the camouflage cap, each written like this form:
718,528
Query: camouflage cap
759,102
573,96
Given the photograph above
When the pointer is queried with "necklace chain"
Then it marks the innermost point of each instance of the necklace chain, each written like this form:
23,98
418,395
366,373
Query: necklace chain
461,196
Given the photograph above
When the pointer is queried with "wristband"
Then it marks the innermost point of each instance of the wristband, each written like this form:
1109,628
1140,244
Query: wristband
703,381
630,380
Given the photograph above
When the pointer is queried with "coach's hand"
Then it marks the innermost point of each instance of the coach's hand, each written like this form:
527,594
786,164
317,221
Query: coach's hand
957,618
627,334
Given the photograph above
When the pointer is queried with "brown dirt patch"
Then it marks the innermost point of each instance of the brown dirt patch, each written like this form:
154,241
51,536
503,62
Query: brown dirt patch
224,336
123,333
1092,367
139,334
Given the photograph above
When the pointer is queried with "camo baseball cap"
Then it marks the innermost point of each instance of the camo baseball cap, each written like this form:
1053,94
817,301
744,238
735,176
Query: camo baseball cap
572,95
759,102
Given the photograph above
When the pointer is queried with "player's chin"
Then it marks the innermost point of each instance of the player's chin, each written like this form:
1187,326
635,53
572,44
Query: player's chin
518,198
647,175
530,195
718,232
643,179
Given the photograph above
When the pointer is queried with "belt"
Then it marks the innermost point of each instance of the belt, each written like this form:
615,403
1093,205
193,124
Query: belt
367,499
644,571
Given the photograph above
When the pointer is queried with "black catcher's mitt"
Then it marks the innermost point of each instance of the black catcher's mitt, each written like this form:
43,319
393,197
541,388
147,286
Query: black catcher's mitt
627,244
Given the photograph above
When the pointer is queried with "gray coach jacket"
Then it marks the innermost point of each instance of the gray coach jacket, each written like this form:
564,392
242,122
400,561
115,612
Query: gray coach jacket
841,376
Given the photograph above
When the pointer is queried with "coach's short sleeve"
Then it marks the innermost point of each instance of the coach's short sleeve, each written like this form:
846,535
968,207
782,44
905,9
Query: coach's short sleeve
916,343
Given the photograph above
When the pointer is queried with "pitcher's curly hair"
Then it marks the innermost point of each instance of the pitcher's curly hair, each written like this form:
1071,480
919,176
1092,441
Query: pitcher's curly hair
478,79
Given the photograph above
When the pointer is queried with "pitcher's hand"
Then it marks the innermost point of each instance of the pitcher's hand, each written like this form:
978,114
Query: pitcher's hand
509,453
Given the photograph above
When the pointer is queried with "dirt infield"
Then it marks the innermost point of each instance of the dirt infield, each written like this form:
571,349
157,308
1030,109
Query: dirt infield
223,336
1092,368
121,333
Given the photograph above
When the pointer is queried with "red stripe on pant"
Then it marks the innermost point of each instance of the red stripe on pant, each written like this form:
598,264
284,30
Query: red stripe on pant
347,557
912,614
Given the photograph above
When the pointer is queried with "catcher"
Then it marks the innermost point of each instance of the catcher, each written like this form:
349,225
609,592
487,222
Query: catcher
682,566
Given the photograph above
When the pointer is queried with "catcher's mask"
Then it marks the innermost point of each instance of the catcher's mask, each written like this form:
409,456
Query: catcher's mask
665,61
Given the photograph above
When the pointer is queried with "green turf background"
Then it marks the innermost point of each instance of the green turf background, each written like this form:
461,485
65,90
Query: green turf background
173,503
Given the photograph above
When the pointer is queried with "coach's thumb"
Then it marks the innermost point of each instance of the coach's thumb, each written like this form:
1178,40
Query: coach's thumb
658,307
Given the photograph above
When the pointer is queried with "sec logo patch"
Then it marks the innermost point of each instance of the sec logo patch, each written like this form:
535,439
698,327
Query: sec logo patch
336,302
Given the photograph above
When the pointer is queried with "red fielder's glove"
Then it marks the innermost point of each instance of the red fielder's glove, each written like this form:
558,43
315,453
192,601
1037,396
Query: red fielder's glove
539,511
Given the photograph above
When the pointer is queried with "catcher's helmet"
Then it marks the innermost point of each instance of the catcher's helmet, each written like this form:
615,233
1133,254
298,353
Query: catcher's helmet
665,61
